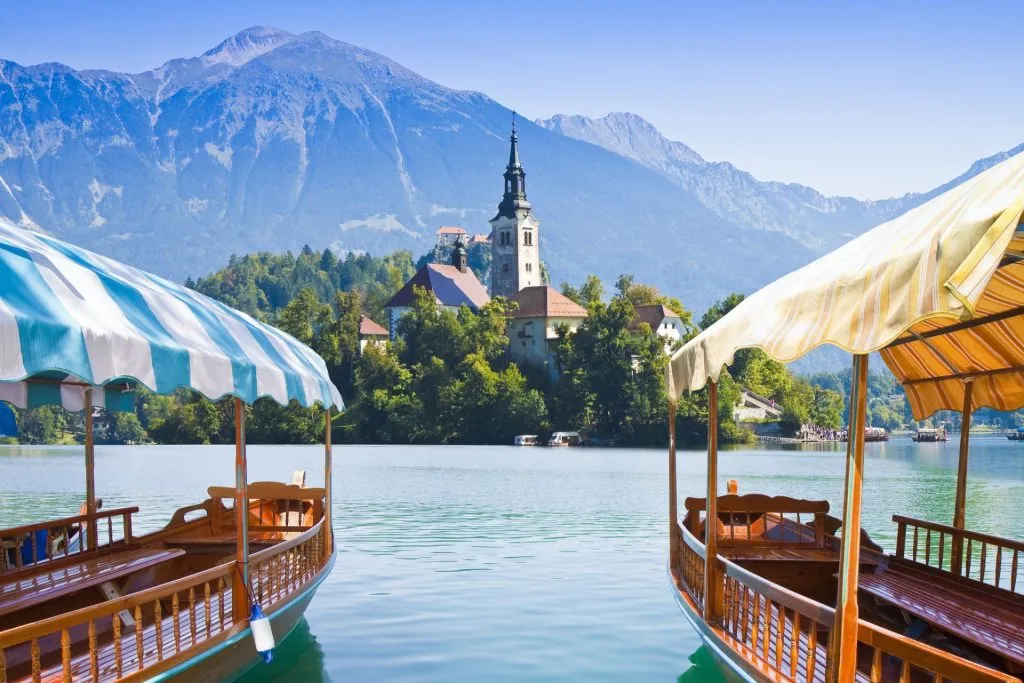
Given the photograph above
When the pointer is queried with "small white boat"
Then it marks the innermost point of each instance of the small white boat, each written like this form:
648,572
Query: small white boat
526,440
565,439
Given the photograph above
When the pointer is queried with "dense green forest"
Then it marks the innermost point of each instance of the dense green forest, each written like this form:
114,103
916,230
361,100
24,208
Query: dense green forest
449,378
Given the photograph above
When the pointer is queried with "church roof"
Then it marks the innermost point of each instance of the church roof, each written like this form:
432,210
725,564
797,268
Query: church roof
451,287
368,328
652,314
542,301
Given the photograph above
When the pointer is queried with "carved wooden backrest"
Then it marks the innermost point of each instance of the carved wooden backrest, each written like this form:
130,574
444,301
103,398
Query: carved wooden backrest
308,508
752,513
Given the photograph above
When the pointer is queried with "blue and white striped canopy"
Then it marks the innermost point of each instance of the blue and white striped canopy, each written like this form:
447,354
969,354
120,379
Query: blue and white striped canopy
67,312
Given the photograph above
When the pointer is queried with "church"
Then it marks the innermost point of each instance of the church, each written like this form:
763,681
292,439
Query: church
515,240
515,274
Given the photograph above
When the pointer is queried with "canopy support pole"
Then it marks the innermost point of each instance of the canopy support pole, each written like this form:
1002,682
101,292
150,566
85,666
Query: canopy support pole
240,579
959,507
328,528
673,509
712,578
91,532
842,659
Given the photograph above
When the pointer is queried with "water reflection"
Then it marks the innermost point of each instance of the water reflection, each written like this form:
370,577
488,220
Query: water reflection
704,669
298,658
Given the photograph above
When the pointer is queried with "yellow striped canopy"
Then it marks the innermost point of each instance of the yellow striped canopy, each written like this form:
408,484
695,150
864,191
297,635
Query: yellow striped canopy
938,291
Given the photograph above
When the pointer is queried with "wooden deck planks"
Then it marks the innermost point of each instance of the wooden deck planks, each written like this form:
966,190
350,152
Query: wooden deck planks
48,585
996,626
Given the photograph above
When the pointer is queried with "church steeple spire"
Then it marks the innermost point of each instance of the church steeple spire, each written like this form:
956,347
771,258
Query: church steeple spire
515,179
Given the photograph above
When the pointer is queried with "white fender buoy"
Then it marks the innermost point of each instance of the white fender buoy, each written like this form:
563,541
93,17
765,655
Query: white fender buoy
262,634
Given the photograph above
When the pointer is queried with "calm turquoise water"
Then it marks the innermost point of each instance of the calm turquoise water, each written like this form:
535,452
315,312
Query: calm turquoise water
506,564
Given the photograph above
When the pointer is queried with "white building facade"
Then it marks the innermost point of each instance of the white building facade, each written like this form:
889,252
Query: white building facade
515,236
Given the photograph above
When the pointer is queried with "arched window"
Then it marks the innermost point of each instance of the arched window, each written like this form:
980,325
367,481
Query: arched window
508,186
527,238
504,268
529,267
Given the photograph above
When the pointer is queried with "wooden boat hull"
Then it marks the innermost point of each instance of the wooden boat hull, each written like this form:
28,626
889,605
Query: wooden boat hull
234,656
723,654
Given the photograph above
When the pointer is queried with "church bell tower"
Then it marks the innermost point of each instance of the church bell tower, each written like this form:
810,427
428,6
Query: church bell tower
515,245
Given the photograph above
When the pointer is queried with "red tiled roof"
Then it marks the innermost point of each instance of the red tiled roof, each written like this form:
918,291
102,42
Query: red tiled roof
652,314
368,328
451,287
450,230
481,238
542,301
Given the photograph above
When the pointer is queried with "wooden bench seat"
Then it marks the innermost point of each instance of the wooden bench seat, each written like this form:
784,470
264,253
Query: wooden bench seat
42,586
978,618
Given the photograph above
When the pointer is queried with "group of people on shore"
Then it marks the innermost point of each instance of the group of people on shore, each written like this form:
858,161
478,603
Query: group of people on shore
810,432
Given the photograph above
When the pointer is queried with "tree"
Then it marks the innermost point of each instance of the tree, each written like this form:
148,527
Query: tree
125,428
590,292
45,424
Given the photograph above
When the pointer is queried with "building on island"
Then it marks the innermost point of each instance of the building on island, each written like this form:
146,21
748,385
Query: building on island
662,320
515,243
480,238
533,329
371,333
447,235
452,285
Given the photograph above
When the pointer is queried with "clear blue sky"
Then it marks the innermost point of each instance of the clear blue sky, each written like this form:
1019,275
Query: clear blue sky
861,98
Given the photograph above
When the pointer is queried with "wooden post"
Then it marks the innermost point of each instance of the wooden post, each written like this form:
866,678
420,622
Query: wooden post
240,578
673,506
712,578
91,530
959,507
328,528
842,648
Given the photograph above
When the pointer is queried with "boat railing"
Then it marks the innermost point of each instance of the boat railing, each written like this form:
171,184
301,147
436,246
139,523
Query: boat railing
983,558
787,633
57,539
161,625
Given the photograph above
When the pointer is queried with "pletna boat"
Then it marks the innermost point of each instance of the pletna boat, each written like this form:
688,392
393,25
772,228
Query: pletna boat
565,439
1017,435
87,597
929,435
779,588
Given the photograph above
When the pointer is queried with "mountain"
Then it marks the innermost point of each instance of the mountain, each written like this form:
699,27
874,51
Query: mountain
820,223
271,140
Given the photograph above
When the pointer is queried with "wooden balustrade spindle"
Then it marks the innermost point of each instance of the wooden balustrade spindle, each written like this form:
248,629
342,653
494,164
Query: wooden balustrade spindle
192,613
927,545
128,528
117,646
981,563
176,622
942,543
901,539
756,624
207,608
220,601
65,655
35,548
967,561
876,666
780,629
905,672
110,530
794,645
999,563
1013,572
158,621
766,635
138,636
3,667
36,668
94,664
915,544
812,650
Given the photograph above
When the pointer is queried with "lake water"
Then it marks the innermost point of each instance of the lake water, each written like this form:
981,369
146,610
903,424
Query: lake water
508,564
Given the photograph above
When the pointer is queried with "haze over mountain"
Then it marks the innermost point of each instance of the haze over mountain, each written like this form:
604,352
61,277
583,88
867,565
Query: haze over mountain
271,140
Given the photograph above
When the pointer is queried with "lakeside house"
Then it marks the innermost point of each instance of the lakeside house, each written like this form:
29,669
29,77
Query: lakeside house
662,320
448,235
370,332
452,285
533,328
